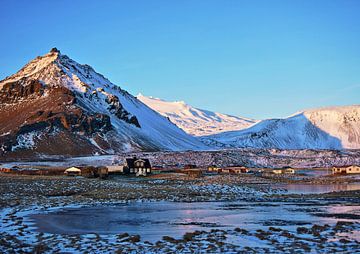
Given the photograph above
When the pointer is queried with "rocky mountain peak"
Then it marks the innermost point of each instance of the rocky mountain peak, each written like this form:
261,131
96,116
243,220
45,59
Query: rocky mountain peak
56,106
54,50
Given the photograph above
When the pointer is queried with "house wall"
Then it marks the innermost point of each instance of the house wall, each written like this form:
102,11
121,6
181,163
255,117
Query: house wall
353,170
347,170
113,169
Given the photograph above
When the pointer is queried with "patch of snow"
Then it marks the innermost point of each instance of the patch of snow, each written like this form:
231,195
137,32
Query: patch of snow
26,141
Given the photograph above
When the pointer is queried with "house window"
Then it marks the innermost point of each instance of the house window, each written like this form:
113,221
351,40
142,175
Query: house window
148,170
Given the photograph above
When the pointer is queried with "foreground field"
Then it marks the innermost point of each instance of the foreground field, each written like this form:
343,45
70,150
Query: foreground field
170,212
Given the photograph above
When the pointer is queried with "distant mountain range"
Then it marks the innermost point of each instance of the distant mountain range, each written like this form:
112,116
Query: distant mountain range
322,128
56,106
197,122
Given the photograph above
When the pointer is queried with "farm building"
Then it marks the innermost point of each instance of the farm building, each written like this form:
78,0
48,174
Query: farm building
115,169
214,169
139,167
283,171
235,170
5,170
277,171
102,172
289,171
73,171
352,169
226,171
194,173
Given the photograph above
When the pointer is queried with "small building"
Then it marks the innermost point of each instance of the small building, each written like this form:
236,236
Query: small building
235,170
289,171
115,169
350,169
277,171
139,167
73,171
88,171
214,169
194,173
5,170
283,171
102,172
226,171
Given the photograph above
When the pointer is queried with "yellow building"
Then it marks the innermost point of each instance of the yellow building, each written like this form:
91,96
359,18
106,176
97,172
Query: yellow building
353,169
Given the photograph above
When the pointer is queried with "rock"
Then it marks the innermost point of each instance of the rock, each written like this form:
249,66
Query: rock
54,50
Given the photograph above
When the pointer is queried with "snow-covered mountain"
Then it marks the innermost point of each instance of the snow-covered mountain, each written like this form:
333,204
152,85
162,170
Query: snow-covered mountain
197,122
323,128
56,106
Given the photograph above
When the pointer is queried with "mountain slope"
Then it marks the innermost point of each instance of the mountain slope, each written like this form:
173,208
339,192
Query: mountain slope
324,128
55,106
195,121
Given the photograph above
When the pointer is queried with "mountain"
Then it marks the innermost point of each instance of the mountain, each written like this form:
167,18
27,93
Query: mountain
197,122
324,128
56,106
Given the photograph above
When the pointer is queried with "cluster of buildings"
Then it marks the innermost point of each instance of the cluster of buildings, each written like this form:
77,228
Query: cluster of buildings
228,170
132,166
142,167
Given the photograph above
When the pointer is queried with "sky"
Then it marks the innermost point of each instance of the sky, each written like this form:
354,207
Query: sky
257,59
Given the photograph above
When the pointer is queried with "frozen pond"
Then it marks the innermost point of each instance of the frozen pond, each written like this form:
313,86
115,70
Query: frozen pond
152,220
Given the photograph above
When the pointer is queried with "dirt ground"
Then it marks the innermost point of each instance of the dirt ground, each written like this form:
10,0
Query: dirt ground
19,193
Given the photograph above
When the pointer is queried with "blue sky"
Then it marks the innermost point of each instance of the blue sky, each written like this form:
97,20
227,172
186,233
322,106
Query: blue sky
257,59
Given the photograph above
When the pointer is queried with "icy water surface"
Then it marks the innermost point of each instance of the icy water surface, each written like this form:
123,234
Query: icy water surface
319,188
153,220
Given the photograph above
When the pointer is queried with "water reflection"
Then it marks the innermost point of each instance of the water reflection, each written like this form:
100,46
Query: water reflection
155,219
320,188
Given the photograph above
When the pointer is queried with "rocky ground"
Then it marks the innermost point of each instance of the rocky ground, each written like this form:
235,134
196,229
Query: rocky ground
23,195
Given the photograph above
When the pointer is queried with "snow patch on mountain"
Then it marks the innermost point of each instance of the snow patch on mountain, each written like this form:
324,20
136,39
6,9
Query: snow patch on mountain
197,122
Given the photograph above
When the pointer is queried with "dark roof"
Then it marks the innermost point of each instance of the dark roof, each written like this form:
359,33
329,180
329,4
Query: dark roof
131,161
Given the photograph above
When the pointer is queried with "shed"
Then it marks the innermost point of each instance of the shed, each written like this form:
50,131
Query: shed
277,171
214,169
193,172
73,171
115,169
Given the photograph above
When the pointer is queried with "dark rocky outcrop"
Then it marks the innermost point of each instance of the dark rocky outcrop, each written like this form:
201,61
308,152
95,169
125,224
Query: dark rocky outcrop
21,89
73,121
116,108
